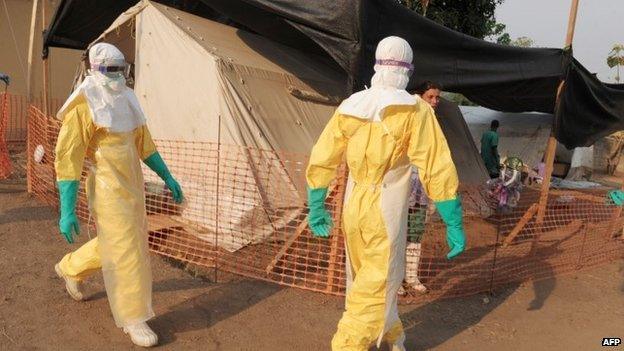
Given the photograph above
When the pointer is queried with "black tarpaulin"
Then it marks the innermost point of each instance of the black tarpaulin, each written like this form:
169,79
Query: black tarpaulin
346,32
499,77
589,109
77,23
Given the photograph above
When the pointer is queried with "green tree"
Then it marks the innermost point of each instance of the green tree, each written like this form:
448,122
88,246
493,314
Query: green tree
471,17
457,98
523,42
616,59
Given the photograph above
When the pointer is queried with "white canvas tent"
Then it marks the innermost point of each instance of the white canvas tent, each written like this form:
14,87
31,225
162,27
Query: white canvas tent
522,135
465,154
206,84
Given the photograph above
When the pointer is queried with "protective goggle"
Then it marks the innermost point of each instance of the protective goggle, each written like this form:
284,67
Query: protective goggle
396,63
113,70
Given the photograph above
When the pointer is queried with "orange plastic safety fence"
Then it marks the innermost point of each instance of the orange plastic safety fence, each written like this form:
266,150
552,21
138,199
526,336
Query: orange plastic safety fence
17,109
5,160
245,213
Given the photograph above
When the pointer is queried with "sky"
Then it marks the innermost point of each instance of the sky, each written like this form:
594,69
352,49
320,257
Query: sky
599,25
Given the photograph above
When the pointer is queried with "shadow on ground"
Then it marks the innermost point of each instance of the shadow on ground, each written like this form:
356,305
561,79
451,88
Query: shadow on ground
205,310
26,214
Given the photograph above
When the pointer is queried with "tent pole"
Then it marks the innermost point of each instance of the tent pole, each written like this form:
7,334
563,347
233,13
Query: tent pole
217,207
31,49
46,93
552,142
29,90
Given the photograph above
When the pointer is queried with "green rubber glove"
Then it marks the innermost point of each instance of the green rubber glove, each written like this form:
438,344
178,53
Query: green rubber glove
451,213
156,164
68,193
319,219
617,196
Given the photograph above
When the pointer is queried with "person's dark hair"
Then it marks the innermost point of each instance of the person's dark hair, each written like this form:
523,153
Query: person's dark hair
426,85
494,124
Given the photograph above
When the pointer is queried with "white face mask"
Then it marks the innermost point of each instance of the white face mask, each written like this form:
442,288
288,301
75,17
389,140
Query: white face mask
114,81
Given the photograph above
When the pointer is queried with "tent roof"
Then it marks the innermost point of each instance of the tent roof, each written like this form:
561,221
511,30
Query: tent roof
239,47
243,48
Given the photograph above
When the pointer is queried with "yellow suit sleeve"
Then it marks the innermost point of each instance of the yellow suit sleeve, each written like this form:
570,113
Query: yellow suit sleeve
326,155
428,150
144,143
73,141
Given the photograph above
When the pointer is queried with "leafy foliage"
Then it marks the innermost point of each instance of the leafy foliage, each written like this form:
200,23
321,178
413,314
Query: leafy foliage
471,17
523,42
616,59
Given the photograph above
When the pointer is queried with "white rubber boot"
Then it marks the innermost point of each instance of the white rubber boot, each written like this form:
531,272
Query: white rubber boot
418,286
71,285
411,268
399,344
141,334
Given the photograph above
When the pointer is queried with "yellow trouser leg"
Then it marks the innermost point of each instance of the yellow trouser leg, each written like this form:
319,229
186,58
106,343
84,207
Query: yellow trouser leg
368,247
82,262
396,337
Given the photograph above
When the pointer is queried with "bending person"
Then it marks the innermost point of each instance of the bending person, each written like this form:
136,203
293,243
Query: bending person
382,131
102,121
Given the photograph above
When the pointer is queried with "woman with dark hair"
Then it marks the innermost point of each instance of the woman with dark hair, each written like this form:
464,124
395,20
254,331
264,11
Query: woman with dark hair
430,92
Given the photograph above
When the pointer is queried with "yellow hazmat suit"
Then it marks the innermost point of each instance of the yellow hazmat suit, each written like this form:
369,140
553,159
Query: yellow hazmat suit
117,202
382,131
103,121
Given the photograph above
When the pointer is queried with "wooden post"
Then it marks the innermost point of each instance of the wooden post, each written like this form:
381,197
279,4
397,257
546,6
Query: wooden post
552,142
46,93
29,90
571,23
31,50
217,206
521,223
549,160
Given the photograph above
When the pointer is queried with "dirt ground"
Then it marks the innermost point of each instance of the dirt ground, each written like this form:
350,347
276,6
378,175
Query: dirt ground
572,312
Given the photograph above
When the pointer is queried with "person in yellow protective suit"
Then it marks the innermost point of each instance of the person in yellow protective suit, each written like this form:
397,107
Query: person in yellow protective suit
381,131
103,121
